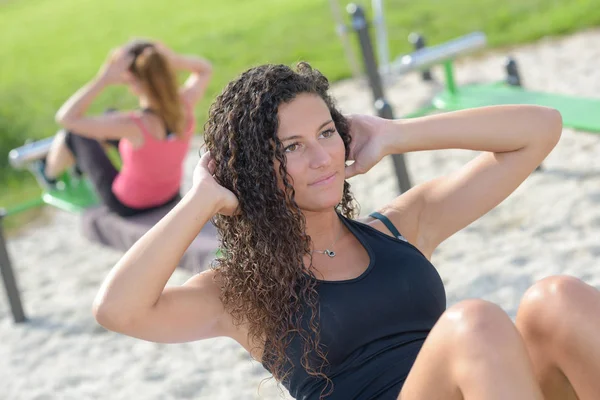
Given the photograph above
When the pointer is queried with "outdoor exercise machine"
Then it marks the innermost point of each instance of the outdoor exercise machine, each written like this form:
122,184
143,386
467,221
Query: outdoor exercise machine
577,112
74,193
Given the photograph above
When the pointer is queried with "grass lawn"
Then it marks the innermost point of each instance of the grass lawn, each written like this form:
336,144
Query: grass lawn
51,47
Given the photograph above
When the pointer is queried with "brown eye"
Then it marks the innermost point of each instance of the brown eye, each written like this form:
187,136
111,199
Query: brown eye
328,133
291,148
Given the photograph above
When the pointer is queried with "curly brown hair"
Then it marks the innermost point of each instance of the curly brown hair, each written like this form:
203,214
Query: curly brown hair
264,281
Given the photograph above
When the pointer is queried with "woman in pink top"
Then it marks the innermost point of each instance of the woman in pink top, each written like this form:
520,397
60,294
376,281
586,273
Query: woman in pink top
152,141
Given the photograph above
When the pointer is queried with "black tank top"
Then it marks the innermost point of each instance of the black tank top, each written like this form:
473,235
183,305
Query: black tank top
373,326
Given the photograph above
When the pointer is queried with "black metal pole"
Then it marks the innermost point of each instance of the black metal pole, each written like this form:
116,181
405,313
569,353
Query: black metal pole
383,108
513,77
418,42
8,276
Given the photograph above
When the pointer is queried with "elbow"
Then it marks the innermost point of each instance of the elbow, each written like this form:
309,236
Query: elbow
554,127
207,70
549,127
207,75
104,315
110,317
61,118
67,119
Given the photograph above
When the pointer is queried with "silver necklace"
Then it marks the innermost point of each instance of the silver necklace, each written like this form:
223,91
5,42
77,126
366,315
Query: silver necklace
329,252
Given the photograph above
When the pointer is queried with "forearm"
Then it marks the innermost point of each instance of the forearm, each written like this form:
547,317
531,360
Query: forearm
80,101
136,282
190,63
494,129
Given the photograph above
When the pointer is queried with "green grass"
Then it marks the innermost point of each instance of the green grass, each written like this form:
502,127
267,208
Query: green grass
51,47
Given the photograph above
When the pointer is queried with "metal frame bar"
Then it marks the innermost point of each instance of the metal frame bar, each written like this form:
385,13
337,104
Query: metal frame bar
8,276
383,108
381,37
21,157
342,32
433,55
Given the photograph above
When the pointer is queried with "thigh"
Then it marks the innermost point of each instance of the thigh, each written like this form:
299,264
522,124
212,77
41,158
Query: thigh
430,376
91,159
558,319
473,347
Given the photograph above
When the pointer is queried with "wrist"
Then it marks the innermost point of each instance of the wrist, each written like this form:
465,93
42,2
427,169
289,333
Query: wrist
170,56
101,81
204,198
164,50
391,137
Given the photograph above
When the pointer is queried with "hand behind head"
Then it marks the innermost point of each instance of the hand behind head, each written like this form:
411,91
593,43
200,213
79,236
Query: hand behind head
206,186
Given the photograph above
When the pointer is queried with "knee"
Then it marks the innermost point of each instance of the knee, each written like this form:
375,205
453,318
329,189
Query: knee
550,307
478,326
474,336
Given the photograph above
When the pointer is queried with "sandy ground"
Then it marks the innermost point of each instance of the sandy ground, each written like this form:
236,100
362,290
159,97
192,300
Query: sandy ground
550,225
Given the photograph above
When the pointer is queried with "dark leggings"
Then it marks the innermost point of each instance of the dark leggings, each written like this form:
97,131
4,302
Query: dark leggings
91,159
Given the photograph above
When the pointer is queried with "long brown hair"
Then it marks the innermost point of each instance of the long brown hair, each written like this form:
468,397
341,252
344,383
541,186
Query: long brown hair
264,282
158,79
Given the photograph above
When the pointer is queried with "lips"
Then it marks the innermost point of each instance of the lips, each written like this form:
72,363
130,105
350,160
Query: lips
324,180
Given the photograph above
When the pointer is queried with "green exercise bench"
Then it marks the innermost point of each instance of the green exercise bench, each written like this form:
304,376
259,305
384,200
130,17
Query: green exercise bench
581,113
577,112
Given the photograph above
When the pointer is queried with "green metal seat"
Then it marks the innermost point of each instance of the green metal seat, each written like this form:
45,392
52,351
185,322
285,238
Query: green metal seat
73,194
577,112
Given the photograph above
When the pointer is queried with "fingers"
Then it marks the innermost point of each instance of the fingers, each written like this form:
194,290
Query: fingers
352,152
212,166
208,163
120,53
127,58
352,170
161,47
205,159
117,53
350,121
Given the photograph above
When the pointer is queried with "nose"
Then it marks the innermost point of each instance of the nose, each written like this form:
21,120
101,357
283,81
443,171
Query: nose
319,157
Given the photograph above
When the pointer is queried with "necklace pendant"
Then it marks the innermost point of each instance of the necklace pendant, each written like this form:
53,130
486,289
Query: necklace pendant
330,253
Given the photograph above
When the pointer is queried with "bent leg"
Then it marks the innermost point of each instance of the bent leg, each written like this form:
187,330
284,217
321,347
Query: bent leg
93,161
559,319
474,352
59,157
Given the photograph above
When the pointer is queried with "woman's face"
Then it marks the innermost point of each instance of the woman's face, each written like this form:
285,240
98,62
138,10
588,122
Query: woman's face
314,151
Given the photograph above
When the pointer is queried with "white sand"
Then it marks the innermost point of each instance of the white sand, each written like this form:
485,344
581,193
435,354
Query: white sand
550,225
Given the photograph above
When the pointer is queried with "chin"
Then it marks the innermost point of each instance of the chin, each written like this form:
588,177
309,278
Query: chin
321,202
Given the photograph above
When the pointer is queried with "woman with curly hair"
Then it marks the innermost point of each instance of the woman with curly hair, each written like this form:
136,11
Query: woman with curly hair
341,308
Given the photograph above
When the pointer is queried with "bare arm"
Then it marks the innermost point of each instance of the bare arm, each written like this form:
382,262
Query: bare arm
200,73
513,140
133,299
72,114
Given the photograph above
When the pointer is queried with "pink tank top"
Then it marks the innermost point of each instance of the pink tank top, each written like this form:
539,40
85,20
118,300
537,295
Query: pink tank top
151,174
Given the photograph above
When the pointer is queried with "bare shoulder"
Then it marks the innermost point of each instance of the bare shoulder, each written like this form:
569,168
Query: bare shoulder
152,123
129,121
404,213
